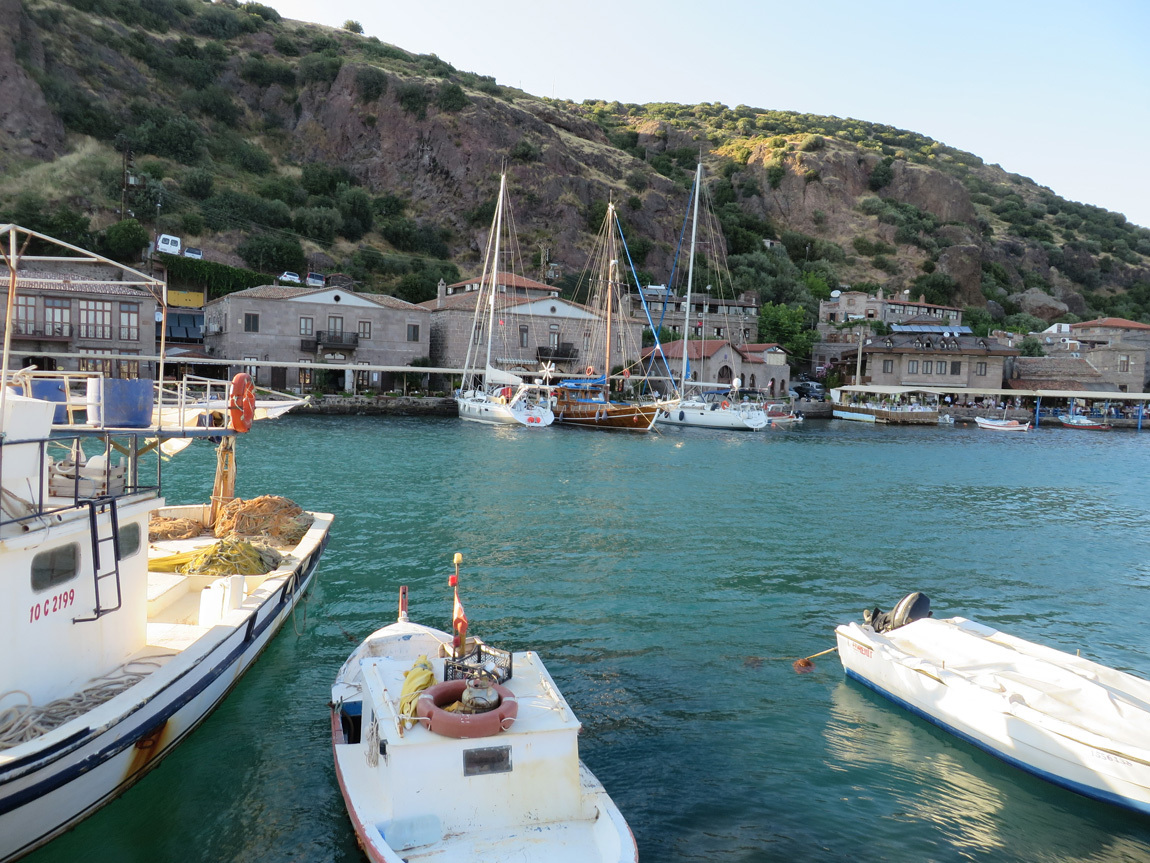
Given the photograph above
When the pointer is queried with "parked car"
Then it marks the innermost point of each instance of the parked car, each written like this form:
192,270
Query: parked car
812,390
791,394
315,280
289,276
193,252
168,244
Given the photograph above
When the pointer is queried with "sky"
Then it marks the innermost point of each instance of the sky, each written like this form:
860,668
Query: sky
1058,91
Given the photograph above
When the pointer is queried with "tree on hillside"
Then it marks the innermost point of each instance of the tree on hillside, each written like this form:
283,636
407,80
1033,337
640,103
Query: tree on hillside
1031,347
125,240
352,26
786,326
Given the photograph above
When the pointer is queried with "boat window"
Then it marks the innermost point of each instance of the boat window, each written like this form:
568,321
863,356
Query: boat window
129,540
490,759
55,566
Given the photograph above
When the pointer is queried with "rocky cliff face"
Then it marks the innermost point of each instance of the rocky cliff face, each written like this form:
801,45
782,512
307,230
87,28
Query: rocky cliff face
28,127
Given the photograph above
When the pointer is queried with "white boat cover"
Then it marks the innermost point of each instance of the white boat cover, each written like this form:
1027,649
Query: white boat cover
498,377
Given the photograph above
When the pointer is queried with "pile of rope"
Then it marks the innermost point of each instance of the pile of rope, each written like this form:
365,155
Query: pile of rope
229,556
23,722
274,519
160,528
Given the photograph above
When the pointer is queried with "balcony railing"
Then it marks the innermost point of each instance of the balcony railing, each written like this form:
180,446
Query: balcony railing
30,330
333,339
564,353
95,331
129,334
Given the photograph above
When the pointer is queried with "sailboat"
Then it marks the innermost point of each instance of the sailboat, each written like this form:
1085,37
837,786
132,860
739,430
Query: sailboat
588,402
492,395
714,408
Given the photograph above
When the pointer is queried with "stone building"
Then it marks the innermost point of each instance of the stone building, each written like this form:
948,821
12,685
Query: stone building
735,321
533,326
837,339
936,360
717,361
92,313
314,326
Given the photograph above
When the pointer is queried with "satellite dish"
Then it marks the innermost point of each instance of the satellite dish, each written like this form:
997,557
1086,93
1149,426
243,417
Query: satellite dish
835,294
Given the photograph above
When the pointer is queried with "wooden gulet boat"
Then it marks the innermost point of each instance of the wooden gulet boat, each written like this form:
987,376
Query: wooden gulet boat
1068,720
495,778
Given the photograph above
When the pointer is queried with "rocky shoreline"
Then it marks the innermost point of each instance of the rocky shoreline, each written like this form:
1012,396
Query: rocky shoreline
400,406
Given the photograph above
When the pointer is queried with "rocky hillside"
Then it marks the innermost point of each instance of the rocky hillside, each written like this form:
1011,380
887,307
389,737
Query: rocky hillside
277,144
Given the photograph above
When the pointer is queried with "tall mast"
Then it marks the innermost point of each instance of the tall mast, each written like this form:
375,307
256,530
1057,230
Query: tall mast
494,270
612,275
690,277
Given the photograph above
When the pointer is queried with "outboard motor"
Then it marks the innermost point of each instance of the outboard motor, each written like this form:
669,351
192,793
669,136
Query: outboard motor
912,607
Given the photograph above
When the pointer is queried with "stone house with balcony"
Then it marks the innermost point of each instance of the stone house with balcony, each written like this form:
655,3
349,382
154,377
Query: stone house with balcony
94,313
837,339
533,327
312,327
936,360
735,321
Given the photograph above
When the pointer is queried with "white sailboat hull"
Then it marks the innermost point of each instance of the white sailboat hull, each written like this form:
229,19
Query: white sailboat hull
712,415
1001,425
483,409
50,783
1072,722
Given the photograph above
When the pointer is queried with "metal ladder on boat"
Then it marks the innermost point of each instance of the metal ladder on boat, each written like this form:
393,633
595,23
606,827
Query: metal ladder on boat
98,507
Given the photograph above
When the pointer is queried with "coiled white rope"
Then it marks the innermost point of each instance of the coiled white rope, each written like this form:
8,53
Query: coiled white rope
20,723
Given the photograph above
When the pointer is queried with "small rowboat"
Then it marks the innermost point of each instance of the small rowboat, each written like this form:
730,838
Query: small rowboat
1078,421
1065,719
499,782
1001,425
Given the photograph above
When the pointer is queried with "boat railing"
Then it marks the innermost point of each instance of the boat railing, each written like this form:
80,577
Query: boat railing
40,478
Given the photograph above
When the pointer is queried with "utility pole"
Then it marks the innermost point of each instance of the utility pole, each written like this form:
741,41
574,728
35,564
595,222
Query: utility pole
128,179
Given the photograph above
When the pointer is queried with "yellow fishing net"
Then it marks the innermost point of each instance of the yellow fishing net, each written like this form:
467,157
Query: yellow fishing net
415,680
160,528
229,556
275,519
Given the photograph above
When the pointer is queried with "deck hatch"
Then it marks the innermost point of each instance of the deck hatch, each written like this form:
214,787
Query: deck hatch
489,759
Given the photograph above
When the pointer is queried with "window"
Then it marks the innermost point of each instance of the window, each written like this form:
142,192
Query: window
251,322
718,332
95,319
365,330
129,540
912,367
128,368
523,336
334,325
129,322
55,567
587,342
927,367
361,378
553,340
1124,363
104,366
955,367
251,370
306,326
980,369
25,322
304,373
413,332
940,367
887,367
57,316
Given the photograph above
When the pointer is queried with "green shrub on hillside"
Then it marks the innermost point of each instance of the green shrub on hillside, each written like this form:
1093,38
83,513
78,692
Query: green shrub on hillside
325,44
197,183
319,69
451,98
937,288
413,98
410,236
272,252
213,102
776,171
230,209
882,175
125,240
356,211
370,83
320,179
192,223
223,22
263,72
524,151
286,45
352,26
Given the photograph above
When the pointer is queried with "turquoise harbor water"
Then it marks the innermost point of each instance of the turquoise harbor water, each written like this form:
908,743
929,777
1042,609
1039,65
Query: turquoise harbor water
668,581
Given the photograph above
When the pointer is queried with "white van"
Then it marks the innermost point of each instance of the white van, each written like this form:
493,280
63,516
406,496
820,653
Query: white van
168,244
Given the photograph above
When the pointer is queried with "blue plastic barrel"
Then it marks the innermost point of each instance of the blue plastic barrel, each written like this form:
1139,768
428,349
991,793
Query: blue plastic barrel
127,403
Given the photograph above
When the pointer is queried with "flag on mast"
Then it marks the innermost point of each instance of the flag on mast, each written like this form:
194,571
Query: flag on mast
459,622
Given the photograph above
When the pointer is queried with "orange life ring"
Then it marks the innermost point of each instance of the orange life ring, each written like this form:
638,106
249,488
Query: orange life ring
626,373
726,404
242,404
432,716
590,370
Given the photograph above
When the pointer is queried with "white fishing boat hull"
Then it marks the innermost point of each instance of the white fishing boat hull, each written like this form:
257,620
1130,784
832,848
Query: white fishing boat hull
1001,425
482,408
415,803
50,783
712,415
1072,722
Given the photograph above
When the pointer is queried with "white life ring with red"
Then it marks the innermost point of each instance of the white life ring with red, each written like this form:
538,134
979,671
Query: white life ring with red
242,404
432,716
590,370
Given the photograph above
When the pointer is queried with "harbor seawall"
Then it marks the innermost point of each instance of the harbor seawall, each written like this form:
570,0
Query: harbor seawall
400,406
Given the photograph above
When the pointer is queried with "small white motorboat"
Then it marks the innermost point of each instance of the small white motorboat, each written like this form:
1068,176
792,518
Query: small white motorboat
1001,425
480,767
1065,719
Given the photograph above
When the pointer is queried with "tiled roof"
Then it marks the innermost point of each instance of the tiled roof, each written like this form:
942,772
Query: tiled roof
762,347
466,301
905,343
71,283
696,348
1115,323
1056,369
511,280
283,292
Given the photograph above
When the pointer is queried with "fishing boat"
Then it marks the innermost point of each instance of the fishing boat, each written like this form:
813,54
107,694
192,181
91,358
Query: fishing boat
698,407
1078,421
1068,720
111,655
602,398
447,748
1001,425
489,394
781,415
